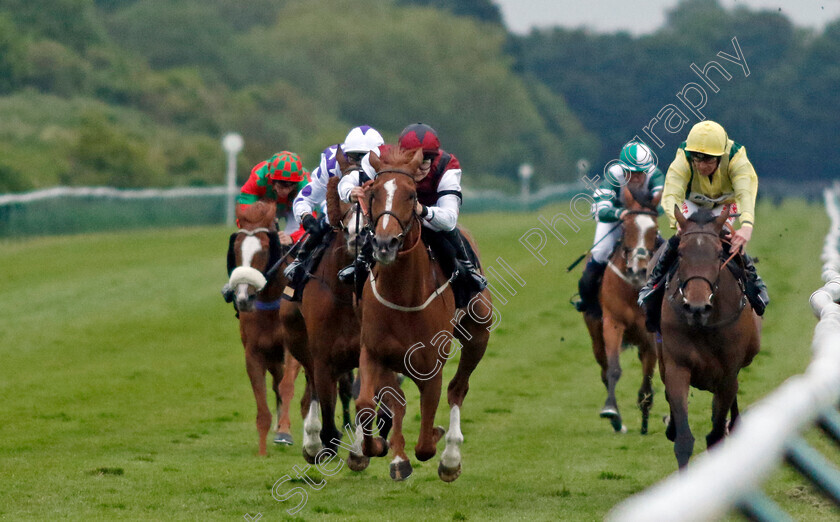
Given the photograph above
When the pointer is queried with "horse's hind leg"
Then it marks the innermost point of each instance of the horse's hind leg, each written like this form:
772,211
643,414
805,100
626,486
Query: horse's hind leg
613,335
721,405
345,393
647,355
371,373
677,385
255,364
733,414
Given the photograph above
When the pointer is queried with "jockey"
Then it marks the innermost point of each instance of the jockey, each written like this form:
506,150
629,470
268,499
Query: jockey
710,171
277,179
359,141
636,168
438,206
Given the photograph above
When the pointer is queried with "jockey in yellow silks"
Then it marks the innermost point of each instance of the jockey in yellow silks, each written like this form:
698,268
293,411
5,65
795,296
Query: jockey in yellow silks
710,171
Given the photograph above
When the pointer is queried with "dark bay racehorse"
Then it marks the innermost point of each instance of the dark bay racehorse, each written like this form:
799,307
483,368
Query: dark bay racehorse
623,321
407,320
255,248
709,331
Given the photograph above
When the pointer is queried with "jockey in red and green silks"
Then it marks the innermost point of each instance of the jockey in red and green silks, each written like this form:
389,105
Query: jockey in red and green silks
278,179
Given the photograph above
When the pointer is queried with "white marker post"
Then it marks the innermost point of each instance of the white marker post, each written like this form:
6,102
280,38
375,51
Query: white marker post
525,173
232,143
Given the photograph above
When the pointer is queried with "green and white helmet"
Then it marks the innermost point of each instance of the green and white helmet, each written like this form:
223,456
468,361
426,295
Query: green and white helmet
635,157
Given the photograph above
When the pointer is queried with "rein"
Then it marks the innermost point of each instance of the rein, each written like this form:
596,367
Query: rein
713,286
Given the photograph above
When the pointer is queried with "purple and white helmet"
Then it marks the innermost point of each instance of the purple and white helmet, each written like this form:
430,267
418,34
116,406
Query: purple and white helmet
362,139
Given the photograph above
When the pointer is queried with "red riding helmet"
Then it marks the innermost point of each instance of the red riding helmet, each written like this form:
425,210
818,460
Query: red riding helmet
419,135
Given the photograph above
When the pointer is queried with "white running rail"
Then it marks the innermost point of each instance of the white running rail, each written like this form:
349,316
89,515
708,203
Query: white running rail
730,475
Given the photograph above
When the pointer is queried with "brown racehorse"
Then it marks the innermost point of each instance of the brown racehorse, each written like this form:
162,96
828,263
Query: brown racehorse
255,247
623,321
332,328
407,320
709,331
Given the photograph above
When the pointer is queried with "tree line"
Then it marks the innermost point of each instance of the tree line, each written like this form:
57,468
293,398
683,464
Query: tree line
133,93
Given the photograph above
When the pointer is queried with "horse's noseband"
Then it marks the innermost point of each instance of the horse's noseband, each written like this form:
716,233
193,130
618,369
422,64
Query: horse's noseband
404,227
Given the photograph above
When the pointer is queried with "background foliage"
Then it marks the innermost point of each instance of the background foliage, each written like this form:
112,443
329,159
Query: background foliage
138,92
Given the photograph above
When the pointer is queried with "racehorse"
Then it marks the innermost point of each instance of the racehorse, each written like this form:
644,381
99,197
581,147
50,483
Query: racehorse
408,313
258,283
332,327
255,248
709,330
622,320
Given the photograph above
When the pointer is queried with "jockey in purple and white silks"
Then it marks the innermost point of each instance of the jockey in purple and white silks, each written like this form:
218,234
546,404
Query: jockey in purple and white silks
359,141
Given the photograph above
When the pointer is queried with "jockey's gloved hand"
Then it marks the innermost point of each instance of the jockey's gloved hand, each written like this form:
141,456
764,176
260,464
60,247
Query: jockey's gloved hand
310,224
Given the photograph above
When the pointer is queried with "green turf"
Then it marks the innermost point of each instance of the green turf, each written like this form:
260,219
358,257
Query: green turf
124,393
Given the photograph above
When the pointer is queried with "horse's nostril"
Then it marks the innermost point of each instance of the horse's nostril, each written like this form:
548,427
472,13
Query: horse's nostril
707,308
393,243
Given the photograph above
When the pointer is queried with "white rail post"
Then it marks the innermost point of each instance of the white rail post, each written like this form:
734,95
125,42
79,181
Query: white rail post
232,143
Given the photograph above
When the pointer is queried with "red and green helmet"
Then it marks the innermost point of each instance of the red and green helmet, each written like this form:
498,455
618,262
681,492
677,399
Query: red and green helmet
285,166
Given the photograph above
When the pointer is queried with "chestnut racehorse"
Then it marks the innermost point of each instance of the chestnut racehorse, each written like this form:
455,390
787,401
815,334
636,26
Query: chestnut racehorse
622,320
408,313
709,330
332,327
255,248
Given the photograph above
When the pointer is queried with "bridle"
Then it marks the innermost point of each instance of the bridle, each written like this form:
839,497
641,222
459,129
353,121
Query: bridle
713,286
414,217
637,253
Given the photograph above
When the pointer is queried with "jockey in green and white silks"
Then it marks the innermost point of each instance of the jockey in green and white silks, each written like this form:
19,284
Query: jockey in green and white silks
636,168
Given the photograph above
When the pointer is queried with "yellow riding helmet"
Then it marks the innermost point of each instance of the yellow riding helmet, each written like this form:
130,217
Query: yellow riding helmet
707,137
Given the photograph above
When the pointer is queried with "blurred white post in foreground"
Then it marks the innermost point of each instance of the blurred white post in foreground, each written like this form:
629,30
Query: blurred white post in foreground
232,143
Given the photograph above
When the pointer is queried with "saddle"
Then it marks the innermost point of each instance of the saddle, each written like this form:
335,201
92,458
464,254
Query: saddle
308,266
440,248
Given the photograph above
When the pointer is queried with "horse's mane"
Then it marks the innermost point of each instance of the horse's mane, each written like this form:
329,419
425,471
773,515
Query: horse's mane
393,155
333,201
702,216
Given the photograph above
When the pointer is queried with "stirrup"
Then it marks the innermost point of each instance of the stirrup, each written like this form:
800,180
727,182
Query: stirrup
292,269
578,303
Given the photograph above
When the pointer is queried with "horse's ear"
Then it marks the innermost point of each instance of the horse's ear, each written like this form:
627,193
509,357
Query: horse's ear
375,161
721,219
341,159
678,215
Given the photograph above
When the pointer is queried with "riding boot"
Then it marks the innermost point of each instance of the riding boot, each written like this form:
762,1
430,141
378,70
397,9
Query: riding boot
309,244
588,286
756,289
650,296
360,267
473,279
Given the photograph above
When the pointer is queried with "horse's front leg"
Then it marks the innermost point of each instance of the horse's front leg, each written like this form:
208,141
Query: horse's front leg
286,392
613,335
325,386
371,373
255,364
721,405
677,381
647,355
391,413
426,447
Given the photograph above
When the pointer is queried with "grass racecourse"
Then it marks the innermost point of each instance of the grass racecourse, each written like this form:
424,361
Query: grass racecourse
124,392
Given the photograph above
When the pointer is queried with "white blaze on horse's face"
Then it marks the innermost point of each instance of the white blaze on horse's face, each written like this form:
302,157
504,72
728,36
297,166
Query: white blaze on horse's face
641,254
250,246
390,189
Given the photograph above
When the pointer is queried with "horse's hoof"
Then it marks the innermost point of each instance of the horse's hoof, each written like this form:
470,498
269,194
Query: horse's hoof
284,438
448,475
400,470
385,447
357,463
608,412
307,457
644,429
621,429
